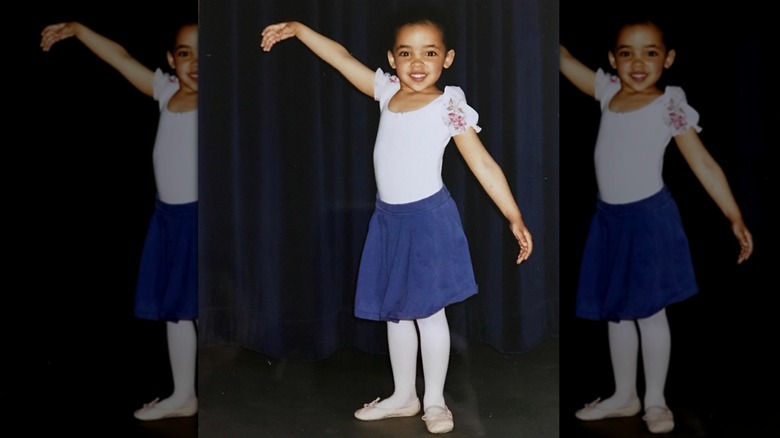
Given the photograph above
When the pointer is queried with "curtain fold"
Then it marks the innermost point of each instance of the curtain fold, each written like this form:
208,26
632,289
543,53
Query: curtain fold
287,185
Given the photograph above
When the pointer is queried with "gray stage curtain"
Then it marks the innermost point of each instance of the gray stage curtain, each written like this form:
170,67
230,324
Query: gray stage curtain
287,184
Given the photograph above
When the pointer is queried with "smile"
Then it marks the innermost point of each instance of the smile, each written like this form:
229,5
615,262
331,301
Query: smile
418,76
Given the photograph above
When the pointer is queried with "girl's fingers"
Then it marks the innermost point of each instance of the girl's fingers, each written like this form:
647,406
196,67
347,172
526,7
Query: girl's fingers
52,34
745,244
526,245
270,38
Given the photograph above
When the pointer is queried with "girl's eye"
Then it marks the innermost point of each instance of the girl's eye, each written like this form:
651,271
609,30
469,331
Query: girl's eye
403,53
432,53
183,54
623,53
652,53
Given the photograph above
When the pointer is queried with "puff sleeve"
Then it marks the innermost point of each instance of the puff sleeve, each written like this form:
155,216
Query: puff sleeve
678,115
456,113
607,86
385,87
164,86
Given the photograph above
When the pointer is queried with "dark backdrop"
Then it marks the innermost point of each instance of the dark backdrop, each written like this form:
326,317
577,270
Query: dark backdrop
721,337
287,184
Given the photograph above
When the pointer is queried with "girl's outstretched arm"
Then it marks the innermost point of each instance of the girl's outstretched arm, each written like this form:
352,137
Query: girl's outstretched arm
328,50
581,76
714,181
109,51
493,180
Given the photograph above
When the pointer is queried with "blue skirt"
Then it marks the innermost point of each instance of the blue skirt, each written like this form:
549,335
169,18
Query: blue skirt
636,260
167,288
415,261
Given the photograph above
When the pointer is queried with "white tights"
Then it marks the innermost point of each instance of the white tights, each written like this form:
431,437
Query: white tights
435,347
182,352
624,347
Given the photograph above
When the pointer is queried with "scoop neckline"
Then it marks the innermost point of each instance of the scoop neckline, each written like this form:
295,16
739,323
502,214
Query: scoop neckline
416,109
652,102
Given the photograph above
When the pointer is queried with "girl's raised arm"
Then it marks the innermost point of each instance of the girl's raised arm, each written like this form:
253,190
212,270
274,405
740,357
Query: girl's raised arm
109,51
711,176
581,76
493,180
328,50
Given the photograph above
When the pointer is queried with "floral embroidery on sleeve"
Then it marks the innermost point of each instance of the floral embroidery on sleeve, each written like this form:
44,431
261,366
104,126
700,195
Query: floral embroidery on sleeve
456,114
456,117
675,116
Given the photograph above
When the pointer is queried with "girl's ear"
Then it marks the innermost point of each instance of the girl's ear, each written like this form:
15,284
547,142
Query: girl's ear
170,59
612,59
449,58
391,58
669,58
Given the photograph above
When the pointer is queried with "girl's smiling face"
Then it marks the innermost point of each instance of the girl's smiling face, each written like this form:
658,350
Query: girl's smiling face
183,59
419,56
640,57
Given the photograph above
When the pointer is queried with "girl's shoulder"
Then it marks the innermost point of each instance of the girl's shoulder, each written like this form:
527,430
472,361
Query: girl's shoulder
672,92
454,92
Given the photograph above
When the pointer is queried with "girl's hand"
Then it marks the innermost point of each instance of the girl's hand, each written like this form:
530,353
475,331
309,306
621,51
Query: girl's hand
55,33
276,33
745,240
524,239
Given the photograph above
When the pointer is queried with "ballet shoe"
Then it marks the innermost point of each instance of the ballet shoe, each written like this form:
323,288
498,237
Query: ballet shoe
372,412
659,419
593,411
151,411
438,419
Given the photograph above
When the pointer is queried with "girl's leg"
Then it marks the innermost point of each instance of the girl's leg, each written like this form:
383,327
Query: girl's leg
402,342
656,348
182,352
435,347
624,350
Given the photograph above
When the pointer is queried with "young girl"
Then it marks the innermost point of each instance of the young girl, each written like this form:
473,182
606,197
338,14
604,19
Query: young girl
415,260
167,281
636,260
